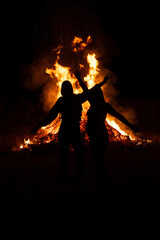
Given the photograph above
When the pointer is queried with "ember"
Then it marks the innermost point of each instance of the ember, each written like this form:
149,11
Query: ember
78,44
60,73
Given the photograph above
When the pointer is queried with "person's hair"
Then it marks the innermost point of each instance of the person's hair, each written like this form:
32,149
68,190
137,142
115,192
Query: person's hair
66,88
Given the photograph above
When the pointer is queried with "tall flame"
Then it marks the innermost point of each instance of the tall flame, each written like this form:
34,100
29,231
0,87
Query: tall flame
93,70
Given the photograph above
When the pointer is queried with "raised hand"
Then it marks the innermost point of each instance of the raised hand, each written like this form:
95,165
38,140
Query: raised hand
106,78
104,81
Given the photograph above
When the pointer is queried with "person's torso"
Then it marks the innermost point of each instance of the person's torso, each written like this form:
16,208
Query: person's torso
96,121
71,110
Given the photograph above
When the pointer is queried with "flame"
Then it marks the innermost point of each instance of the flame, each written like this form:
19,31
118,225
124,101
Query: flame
76,40
112,123
93,70
61,73
120,128
78,44
26,143
58,74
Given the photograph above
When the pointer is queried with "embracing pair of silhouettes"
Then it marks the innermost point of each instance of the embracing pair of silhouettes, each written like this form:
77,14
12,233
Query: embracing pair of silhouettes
69,105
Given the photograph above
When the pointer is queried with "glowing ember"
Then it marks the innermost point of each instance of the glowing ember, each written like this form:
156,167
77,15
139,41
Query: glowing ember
26,143
78,44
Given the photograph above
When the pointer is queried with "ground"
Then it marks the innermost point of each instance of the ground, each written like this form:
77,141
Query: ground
31,193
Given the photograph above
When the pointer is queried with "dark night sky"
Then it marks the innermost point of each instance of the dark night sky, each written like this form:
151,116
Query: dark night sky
31,28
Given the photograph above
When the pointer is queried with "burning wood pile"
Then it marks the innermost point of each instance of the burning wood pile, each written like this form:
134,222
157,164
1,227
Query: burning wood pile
59,73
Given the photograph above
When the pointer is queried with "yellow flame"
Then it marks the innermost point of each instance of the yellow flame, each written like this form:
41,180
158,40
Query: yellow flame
93,70
122,130
27,141
76,40
62,73
112,123
25,144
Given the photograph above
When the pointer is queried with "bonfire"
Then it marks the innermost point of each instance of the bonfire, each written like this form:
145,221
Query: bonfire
117,131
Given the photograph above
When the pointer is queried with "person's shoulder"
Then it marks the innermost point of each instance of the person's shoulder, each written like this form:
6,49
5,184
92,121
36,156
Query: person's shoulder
60,99
93,89
78,95
59,102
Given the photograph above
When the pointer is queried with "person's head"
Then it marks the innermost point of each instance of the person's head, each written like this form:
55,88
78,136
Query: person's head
66,89
97,98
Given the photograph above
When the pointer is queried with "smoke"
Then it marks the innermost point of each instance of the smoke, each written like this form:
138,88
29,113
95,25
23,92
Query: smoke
34,75
49,95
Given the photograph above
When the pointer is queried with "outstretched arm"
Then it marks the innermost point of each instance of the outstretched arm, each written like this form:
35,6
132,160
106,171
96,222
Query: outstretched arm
120,117
53,113
103,82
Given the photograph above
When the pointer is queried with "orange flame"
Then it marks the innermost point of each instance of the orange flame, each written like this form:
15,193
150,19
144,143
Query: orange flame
122,130
59,74
62,73
93,70
78,44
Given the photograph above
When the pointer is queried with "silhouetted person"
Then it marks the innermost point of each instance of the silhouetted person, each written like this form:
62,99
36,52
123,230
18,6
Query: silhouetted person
70,108
96,128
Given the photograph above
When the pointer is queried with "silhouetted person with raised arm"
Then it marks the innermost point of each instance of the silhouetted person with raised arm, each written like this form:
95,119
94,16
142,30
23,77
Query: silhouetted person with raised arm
96,128
70,108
